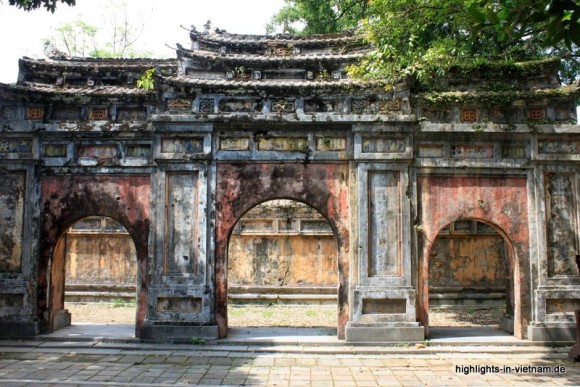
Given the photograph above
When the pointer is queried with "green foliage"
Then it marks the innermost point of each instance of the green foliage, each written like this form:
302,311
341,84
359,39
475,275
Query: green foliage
147,82
77,38
121,303
197,341
50,5
556,20
318,16
426,38
116,40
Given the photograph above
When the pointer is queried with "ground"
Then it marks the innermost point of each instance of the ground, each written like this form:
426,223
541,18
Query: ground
281,315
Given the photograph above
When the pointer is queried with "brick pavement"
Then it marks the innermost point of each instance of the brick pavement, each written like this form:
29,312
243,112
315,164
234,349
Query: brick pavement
89,365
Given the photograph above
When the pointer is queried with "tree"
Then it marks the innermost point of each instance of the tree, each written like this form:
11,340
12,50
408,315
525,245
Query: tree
318,16
82,39
556,20
423,38
50,5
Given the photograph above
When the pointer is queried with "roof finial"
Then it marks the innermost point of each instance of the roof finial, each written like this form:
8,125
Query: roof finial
207,26
52,52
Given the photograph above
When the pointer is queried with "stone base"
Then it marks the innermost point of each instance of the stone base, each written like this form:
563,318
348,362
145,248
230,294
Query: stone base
552,332
506,324
384,333
166,332
62,319
18,329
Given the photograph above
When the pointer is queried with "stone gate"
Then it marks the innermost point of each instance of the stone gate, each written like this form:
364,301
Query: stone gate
238,120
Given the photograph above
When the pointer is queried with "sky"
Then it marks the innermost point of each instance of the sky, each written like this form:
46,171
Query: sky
23,33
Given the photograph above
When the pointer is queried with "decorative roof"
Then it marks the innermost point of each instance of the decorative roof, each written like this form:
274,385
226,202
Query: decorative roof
222,37
294,85
89,71
33,91
211,58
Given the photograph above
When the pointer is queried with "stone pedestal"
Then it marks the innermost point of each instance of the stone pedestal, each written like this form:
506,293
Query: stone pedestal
357,332
177,333
575,351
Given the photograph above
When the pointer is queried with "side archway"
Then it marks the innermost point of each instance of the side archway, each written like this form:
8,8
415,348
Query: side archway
67,199
242,186
471,263
501,201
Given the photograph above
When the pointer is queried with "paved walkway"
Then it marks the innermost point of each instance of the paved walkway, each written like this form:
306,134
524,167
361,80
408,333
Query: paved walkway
97,363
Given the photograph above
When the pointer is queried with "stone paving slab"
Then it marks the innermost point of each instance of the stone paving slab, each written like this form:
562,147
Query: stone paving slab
93,366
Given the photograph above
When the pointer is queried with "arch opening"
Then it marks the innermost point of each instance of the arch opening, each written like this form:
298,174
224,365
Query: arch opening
282,268
94,276
471,272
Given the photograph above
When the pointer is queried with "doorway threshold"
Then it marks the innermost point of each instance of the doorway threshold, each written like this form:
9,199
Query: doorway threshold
93,332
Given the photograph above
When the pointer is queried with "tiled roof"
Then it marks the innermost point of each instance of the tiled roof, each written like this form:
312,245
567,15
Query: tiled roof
266,60
236,39
30,88
102,64
267,84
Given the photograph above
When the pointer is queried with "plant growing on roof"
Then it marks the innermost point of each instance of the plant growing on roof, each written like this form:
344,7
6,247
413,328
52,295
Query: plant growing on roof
146,82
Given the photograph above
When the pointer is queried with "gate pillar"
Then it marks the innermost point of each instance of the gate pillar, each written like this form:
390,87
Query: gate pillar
384,298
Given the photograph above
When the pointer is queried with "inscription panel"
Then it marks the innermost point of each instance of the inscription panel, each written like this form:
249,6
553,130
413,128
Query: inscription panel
384,306
330,144
283,144
182,222
11,220
384,223
179,304
181,145
471,152
234,143
383,145
561,224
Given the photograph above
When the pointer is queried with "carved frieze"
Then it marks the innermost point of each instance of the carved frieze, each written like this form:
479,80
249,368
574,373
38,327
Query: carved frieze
558,147
15,146
283,106
98,114
206,105
179,105
34,113
10,113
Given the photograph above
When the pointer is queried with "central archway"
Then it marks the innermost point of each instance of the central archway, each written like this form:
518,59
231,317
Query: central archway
242,186
282,268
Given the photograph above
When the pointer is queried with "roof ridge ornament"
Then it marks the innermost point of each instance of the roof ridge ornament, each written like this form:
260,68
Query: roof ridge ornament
52,52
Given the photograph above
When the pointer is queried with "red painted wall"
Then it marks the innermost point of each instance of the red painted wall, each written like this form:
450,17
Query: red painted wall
499,201
66,199
242,186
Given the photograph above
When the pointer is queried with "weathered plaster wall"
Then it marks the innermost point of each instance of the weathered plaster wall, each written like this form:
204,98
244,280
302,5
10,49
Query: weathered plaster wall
100,258
469,260
67,199
282,261
282,243
497,200
242,186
